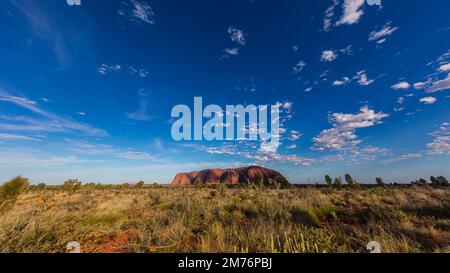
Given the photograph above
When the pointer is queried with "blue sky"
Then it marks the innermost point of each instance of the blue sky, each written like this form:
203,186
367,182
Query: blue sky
86,91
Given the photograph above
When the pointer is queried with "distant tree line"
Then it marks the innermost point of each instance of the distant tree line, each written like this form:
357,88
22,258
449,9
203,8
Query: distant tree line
439,181
10,189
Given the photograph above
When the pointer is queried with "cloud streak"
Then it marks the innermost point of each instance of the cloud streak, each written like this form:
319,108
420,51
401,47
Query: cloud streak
51,123
43,28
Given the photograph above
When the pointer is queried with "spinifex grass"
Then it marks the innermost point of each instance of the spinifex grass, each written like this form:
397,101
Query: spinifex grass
203,219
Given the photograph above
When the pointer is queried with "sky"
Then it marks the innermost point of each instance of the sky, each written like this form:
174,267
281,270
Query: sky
86,91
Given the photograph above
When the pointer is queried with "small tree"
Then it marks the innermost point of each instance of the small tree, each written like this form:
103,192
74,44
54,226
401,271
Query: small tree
328,180
72,185
40,186
439,181
349,179
338,182
434,181
420,182
443,181
124,186
380,182
140,184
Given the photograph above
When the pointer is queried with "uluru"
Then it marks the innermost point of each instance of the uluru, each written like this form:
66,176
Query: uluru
237,176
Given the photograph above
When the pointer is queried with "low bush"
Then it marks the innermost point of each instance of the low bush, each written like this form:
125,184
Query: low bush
12,188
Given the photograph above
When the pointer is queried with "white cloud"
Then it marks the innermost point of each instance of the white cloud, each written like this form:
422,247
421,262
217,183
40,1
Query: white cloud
335,139
237,36
444,58
141,113
230,52
328,56
420,85
440,85
381,34
104,68
109,151
32,125
260,151
403,157
441,142
366,118
131,155
140,72
299,67
269,147
444,68
411,155
399,106
274,157
343,134
291,147
342,82
267,153
16,159
329,14
401,85
294,135
428,100
352,12
363,79
142,12
347,50
17,137
17,100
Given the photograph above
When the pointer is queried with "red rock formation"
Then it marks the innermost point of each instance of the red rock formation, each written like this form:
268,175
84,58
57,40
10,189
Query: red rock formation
253,174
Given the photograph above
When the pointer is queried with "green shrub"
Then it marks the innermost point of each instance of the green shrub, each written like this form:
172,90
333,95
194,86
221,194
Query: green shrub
12,188
72,185
305,217
325,212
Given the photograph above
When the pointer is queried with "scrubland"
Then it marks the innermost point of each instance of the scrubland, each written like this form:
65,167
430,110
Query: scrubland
152,218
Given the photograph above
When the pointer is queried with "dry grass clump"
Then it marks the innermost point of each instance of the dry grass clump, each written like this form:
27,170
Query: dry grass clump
143,218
